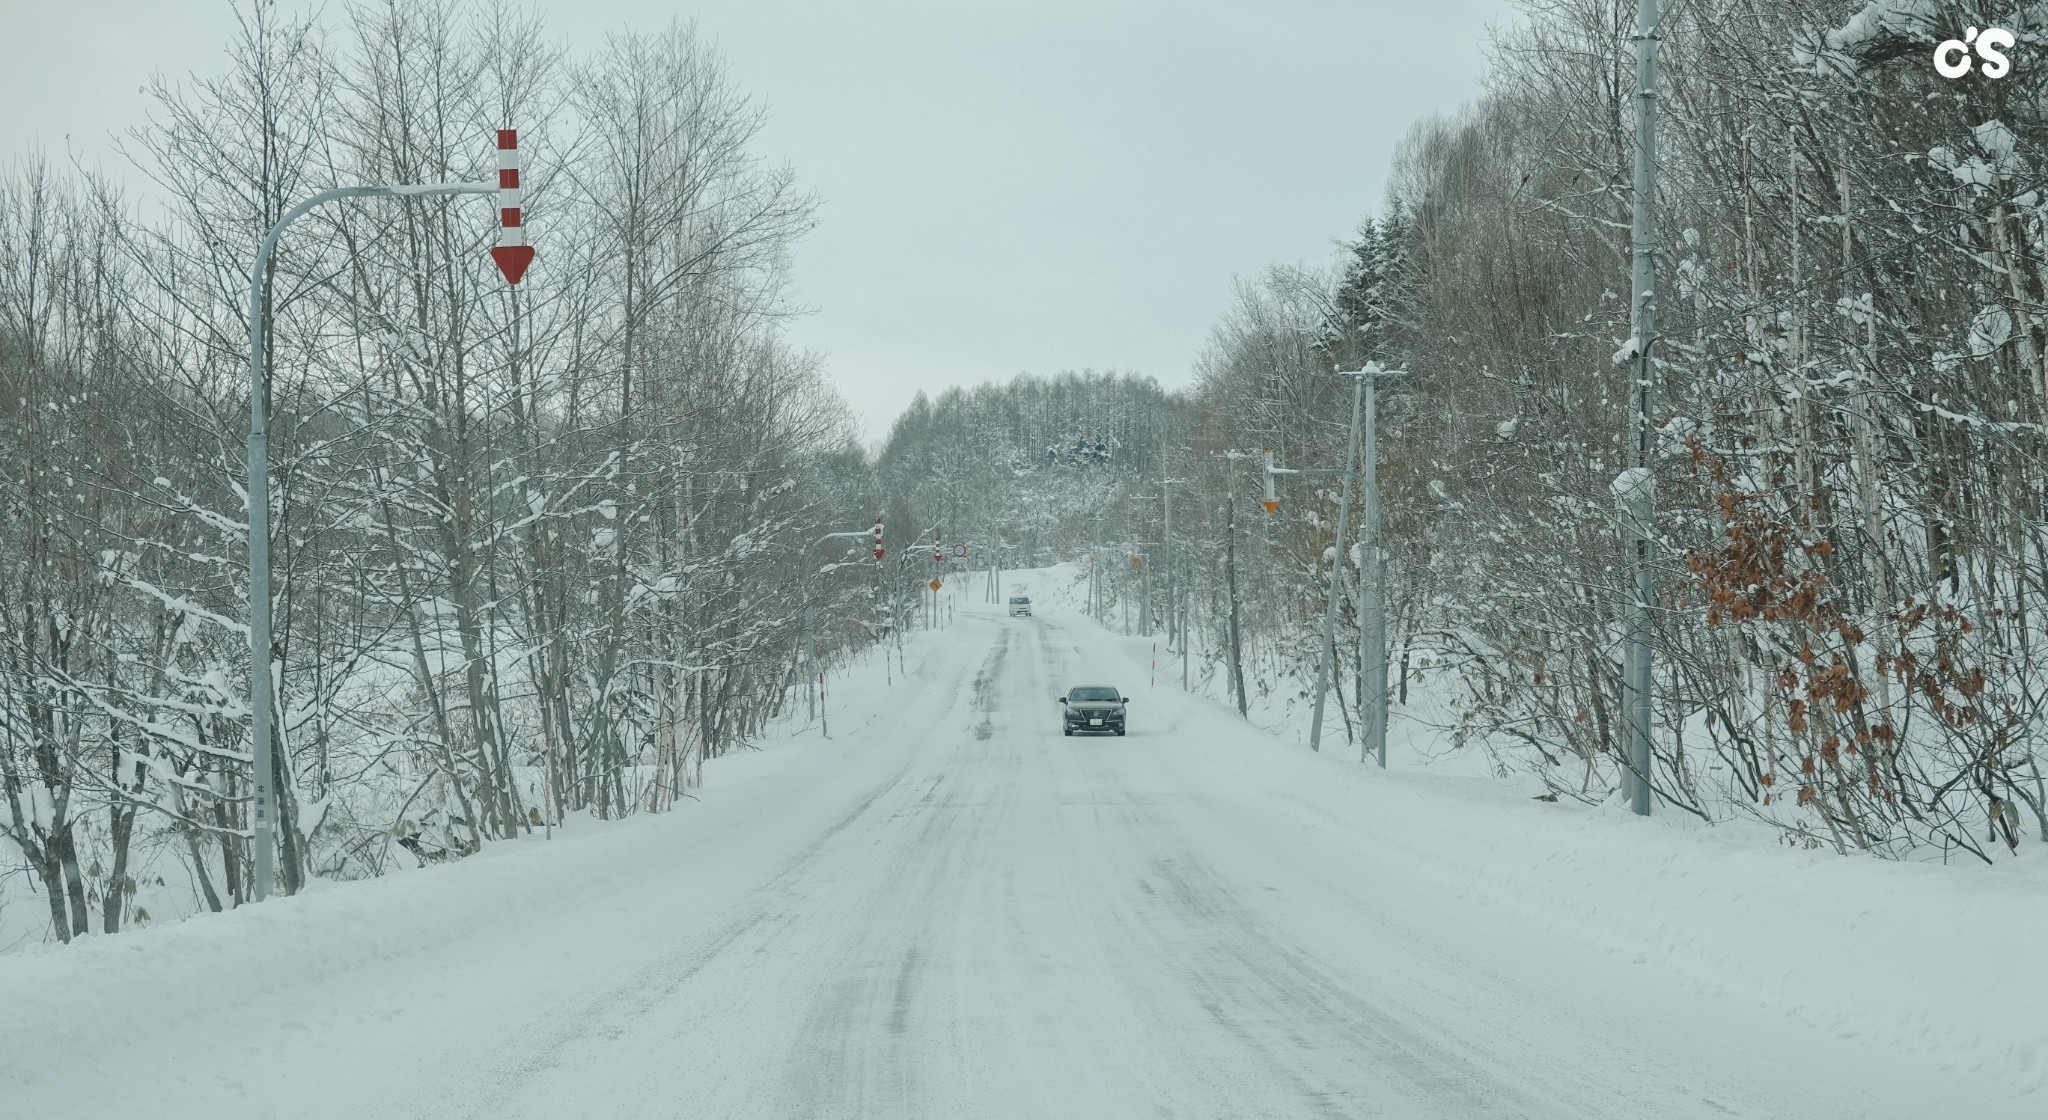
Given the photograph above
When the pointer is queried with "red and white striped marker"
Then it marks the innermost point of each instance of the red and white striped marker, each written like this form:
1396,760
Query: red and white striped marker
511,252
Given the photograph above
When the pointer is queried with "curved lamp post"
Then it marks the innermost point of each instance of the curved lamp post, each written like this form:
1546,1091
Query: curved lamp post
260,684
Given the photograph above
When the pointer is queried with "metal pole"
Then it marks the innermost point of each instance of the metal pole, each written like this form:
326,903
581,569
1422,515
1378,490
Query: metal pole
1145,614
1232,635
1172,618
1639,494
1372,615
261,755
1182,606
1176,618
1095,570
1329,648
810,658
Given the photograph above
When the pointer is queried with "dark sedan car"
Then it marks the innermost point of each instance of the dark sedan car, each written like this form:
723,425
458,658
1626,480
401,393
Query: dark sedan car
1093,708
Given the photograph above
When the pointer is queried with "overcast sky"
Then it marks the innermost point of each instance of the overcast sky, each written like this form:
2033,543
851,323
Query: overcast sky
1026,186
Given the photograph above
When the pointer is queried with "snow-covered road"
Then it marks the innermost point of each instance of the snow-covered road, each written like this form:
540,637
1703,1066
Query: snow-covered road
947,910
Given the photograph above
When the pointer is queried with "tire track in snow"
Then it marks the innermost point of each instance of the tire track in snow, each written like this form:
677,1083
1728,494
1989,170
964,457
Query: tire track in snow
1337,1052
780,906
857,1053
985,699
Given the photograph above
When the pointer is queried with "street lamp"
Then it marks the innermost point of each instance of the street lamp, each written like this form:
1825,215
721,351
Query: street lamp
512,255
815,688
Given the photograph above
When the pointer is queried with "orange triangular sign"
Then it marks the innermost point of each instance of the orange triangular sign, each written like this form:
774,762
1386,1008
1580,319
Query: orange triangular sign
512,260
1270,506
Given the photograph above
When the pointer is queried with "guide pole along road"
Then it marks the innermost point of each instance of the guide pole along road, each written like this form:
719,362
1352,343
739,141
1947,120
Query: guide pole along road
512,255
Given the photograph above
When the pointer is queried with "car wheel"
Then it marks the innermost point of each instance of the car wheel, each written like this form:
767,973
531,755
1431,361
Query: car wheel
1068,731
1119,731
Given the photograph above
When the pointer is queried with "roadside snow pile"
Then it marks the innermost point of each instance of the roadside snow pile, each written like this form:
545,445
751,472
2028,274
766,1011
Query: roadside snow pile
58,1000
1940,960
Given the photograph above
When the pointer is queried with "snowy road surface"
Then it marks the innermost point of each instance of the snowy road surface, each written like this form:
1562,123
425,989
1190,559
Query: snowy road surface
946,910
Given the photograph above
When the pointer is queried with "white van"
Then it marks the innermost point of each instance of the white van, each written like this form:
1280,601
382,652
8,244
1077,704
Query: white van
1020,605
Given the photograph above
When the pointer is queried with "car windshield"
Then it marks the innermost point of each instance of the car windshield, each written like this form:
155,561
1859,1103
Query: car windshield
1020,599
1094,694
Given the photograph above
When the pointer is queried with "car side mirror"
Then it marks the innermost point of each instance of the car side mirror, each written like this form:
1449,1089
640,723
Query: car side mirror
1123,699
1061,699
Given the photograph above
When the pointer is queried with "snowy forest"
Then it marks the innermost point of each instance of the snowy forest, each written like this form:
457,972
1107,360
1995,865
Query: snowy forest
541,552
1854,255
537,551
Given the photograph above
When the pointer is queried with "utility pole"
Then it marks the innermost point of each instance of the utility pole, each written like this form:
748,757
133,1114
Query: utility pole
1143,562
1230,569
1176,615
1172,601
513,255
1182,605
1095,570
896,619
1372,584
1329,647
1635,490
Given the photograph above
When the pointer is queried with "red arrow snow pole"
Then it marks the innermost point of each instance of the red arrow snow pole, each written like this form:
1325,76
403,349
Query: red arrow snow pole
512,252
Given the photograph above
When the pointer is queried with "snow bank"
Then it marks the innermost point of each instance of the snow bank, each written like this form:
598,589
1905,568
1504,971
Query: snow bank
1908,958
57,1001
1939,960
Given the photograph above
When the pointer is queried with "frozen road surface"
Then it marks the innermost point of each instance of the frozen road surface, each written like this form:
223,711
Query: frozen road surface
949,910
